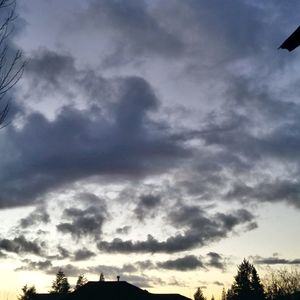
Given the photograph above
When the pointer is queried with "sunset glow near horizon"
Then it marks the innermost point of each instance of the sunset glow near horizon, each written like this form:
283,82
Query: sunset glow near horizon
155,140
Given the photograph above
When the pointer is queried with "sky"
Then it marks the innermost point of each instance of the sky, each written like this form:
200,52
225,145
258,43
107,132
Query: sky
155,140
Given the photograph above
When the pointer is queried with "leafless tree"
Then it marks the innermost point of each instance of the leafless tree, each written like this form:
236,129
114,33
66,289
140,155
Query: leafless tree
11,61
282,283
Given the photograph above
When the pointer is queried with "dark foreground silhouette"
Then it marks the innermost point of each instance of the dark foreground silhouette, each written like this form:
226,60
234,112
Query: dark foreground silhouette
293,41
278,284
110,290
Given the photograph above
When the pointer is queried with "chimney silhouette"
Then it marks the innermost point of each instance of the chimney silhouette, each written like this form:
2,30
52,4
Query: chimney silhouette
118,278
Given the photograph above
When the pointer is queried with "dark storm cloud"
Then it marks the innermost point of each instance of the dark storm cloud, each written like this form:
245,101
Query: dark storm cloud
39,215
83,254
201,229
276,261
122,142
147,206
20,245
187,263
84,222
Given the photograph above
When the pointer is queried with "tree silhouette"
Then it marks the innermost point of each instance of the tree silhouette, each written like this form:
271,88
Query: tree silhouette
256,285
101,277
11,64
80,281
60,285
282,284
223,295
27,292
247,285
199,295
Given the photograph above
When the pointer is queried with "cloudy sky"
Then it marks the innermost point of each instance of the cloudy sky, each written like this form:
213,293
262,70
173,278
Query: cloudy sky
156,140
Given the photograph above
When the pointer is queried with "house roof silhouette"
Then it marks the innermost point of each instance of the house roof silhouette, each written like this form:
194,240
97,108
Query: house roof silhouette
292,42
109,290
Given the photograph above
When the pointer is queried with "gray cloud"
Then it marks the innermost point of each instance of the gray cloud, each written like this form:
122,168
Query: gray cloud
142,281
63,252
110,272
189,262
83,254
30,265
68,269
39,215
84,222
218,283
113,271
138,28
145,264
215,260
147,206
133,28
84,143
123,230
186,263
276,261
268,191
20,245
49,71
201,230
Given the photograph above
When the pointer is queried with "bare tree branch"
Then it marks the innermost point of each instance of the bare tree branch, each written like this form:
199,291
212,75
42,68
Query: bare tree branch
11,64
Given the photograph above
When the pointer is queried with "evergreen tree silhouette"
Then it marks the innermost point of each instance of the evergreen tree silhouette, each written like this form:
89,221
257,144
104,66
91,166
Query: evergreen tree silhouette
102,278
60,285
80,281
223,296
247,285
199,295
27,292
256,285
